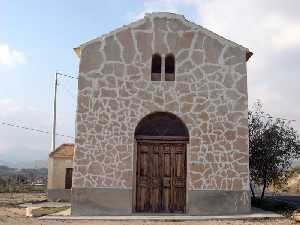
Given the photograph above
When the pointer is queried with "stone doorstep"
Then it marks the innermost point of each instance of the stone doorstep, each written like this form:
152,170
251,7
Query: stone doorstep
266,215
38,211
46,204
33,211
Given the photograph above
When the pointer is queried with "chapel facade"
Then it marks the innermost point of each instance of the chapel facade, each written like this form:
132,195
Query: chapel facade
161,123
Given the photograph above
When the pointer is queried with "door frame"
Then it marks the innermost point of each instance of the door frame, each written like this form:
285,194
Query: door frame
158,139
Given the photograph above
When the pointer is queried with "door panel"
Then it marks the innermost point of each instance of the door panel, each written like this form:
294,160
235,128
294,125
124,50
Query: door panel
143,178
161,177
166,178
155,180
179,178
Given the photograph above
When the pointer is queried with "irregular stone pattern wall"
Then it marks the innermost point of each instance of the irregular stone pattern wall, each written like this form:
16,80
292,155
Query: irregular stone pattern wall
209,95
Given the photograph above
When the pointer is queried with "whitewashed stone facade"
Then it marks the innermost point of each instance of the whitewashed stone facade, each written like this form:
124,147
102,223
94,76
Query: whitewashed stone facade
209,95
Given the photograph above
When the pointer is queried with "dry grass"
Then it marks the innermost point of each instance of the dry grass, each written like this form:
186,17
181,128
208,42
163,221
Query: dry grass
13,199
292,186
10,214
294,182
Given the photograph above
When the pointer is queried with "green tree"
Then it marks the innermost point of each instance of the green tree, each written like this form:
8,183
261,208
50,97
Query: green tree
273,146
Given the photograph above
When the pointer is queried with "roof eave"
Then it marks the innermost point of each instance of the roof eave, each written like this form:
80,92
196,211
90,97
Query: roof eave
77,51
248,55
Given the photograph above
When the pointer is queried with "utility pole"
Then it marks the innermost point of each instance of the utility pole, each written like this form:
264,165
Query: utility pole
54,114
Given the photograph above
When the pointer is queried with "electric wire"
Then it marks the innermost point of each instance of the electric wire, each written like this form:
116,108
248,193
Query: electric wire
32,129
67,75
38,130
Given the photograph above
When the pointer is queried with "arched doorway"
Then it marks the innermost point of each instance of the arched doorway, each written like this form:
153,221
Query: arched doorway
161,164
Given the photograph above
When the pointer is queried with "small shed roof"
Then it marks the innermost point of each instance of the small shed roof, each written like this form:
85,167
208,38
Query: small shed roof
63,151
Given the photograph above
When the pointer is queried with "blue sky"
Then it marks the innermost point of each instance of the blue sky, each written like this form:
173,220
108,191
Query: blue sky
37,38
45,33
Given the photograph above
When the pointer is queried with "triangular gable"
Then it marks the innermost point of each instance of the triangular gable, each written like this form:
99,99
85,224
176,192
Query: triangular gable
63,151
148,21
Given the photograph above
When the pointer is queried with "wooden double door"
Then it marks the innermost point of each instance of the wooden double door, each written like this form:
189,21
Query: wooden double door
161,177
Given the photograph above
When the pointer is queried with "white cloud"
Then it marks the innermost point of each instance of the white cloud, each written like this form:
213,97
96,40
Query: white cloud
270,29
287,36
5,145
153,6
18,144
253,23
9,56
8,106
20,112
17,113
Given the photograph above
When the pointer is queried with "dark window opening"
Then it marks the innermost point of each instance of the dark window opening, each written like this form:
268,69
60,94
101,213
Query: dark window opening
156,68
170,68
68,178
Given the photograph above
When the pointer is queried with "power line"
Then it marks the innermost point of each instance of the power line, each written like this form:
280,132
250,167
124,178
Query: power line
32,129
38,130
64,87
67,75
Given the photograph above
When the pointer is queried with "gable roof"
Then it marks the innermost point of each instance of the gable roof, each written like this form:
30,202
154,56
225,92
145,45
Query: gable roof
169,16
63,151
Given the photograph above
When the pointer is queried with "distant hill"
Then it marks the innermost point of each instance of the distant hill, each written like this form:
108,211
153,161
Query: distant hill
26,164
23,180
31,164
7,171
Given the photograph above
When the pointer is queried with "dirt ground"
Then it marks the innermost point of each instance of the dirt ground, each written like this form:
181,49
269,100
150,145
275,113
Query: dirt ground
18,198
10,214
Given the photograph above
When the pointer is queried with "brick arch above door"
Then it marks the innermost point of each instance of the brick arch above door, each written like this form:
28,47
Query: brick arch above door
159,124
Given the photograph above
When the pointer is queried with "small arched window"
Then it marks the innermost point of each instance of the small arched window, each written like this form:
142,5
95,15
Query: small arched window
156,67
170,68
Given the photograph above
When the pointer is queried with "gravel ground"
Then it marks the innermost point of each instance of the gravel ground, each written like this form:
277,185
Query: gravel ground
12,215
